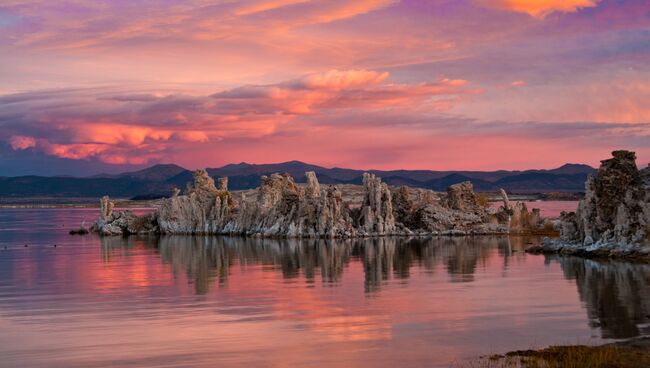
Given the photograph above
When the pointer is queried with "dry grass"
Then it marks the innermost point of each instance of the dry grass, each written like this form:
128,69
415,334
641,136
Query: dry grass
483,200
539,232
621,355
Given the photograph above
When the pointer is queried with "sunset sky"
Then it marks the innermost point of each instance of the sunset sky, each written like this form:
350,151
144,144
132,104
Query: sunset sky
106,86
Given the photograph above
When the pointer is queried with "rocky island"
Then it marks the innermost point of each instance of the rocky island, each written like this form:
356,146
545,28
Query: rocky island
613,219
282,208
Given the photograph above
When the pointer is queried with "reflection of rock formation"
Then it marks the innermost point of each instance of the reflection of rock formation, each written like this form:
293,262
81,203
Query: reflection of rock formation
281,208
199,258
207,259
461,258
616,294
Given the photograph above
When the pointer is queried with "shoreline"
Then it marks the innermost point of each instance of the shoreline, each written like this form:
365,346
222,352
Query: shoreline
630,353
599,251
83,203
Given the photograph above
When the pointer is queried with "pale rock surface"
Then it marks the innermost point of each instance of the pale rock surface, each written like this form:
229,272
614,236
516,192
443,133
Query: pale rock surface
458,212
504,197
281,208
202,210
377,208
122,222
106,207
222,184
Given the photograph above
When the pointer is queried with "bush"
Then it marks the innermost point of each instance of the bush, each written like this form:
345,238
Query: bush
483,200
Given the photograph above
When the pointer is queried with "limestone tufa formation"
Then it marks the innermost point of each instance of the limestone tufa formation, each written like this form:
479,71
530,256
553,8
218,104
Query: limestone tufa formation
616,207
122,222
614,217
281,208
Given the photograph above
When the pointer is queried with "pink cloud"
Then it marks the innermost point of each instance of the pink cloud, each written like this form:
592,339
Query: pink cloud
118,127
263,6
540,8
337,80
73,151
20,142
285,71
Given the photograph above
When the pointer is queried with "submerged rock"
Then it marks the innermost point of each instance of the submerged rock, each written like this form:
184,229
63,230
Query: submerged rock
80,231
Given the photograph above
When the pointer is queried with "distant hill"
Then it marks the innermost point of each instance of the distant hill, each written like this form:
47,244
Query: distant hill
158,180
156,172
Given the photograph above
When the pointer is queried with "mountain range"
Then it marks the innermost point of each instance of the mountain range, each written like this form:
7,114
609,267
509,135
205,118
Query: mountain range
158,180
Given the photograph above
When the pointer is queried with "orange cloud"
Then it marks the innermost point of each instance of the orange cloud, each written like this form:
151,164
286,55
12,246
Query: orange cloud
117,127
73,151
103,152
120,134
262,6
192,136
539,8
336,10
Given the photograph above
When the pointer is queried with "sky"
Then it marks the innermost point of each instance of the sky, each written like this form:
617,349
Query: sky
108,86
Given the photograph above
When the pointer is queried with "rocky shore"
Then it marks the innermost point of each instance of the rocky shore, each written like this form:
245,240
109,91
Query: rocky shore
613,220
282,208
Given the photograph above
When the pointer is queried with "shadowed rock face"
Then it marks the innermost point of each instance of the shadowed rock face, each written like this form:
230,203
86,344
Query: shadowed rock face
616,207
280,208
645,175
461,197
614,217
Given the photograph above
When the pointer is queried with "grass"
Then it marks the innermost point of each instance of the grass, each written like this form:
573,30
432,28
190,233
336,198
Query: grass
628,354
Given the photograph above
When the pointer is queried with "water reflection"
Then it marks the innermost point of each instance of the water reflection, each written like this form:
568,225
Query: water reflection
617,295
206,260
206,301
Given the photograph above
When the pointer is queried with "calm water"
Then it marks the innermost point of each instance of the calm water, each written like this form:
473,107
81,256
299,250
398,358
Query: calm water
213,301
547,208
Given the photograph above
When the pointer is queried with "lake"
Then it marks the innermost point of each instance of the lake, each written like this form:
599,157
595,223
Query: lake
219,301
550,209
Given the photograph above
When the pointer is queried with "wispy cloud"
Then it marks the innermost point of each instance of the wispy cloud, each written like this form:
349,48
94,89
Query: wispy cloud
118,127
371,82
539,8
